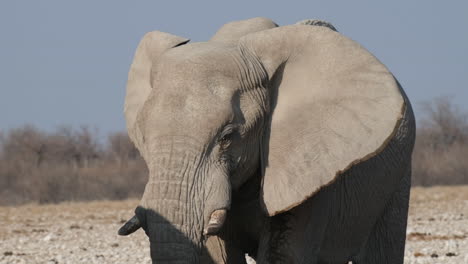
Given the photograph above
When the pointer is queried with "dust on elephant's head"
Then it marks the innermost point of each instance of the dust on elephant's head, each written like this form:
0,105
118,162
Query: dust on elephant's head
294,105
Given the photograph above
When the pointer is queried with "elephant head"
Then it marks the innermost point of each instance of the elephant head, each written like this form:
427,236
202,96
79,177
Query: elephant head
295,105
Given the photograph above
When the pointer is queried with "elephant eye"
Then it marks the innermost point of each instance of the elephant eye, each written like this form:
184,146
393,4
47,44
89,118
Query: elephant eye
225,141
227,136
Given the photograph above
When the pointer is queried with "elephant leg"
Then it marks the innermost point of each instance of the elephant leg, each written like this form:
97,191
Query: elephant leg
295,237
386,243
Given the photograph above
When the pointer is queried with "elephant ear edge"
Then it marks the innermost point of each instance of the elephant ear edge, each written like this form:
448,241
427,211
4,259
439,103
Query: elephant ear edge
334,105
151,47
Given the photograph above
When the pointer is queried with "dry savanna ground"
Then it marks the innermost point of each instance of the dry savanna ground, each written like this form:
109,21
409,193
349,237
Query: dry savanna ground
87,232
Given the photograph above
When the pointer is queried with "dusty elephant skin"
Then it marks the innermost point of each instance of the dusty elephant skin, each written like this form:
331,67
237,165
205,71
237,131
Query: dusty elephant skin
297,127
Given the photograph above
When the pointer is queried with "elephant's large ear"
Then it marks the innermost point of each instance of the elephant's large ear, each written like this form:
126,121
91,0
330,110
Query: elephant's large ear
334,105
150,48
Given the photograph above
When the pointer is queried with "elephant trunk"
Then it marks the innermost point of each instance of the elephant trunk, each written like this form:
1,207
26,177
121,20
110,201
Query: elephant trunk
171,221
173,237
183,203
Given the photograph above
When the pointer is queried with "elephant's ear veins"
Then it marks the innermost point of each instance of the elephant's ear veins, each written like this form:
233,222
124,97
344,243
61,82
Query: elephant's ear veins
337,105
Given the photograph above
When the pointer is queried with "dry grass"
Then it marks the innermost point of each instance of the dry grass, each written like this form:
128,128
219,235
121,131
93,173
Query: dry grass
68,165
38,217
415,236
438,194
441,150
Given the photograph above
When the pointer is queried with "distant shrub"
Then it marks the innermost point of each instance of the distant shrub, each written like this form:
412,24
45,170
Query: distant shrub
441,153
67,165
72,164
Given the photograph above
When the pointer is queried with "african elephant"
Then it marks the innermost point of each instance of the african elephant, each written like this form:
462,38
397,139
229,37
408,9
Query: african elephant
292,144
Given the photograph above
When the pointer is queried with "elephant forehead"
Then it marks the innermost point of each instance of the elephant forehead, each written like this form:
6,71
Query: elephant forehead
198,62
195,84
192,91
198,107
195,97
175,113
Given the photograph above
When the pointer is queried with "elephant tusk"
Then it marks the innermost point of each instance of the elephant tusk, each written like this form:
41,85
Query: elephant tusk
130,226
216,222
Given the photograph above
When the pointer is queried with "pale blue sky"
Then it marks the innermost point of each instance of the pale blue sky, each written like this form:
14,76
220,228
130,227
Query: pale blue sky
66,62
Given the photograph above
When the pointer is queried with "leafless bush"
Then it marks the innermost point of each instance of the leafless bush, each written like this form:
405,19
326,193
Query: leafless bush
71,164
441,152
121,148
68,164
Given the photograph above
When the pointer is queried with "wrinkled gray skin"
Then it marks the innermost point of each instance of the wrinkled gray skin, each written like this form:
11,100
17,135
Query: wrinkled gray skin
204,141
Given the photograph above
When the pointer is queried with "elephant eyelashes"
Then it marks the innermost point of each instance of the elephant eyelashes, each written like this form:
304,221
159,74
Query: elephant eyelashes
226,137
225,141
